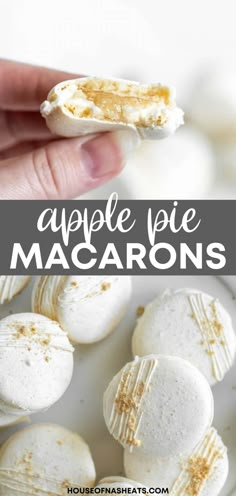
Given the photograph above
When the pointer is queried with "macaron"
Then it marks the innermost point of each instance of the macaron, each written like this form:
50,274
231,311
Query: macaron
225,153
158,405
7,419
212,102
91,105
45,459
36,364
115,482
192,325
202,472
88,308
10,286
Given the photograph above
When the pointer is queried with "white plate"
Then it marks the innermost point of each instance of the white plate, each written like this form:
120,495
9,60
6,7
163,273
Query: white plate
80,409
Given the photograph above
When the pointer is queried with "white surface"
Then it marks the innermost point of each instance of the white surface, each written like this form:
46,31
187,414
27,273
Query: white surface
81,407
152,39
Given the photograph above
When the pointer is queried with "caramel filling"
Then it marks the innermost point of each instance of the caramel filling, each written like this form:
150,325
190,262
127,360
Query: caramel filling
119,102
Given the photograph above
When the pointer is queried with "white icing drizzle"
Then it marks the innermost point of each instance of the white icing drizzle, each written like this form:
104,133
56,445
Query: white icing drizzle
52,291
208,450
125,425
218,348
72,294
25,482
47,293
9,339
7,288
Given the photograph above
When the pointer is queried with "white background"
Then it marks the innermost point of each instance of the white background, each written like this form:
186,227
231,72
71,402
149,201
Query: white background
165,40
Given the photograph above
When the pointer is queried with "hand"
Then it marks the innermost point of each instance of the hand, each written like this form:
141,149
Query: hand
34,164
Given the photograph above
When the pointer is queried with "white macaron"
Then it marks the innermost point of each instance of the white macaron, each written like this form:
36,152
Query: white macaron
158,405
10,286
203,472
212,102
88,308
190,324
36,364
115,482
45,459
226,160
7,419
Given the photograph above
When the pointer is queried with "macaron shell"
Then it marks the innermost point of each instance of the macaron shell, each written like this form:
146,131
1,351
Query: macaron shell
158,405
88,308
10,286
174,472
118,482
7,419
212,105
45,459
63,122
37,360
189,324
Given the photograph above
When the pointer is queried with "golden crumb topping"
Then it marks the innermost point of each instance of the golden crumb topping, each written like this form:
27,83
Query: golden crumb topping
140,310
198,470
74,284
105,286
127,400
218,327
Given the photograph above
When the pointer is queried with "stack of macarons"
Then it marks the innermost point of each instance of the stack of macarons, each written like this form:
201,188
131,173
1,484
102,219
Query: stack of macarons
160,406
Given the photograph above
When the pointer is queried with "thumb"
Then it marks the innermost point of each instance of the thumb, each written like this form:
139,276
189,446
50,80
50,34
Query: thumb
66,168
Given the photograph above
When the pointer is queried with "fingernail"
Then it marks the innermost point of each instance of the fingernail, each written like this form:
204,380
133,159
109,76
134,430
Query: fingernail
106,154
